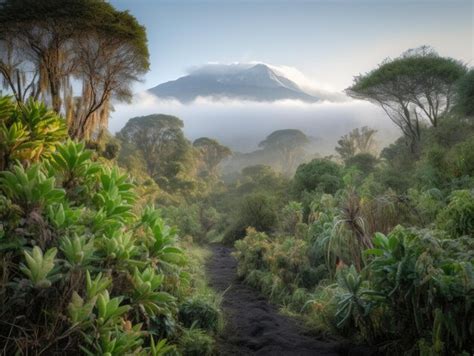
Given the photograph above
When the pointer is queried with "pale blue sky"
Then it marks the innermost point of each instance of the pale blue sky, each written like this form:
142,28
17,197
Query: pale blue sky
329,41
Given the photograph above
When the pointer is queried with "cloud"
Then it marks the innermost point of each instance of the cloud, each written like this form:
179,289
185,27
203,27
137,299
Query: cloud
243,124
321,90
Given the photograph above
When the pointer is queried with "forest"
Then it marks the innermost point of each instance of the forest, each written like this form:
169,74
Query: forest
106,238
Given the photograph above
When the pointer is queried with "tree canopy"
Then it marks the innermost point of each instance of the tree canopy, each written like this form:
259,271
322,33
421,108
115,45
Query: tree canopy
359,140
319,174
418,85
211,153
289,143
161,141
47,48
465,97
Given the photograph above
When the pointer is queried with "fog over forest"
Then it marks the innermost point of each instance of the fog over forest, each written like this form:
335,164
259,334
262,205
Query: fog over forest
242,124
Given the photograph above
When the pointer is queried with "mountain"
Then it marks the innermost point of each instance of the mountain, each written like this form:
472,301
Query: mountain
256,83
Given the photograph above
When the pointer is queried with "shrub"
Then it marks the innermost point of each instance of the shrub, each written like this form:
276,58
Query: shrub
458,216
287,259
200,313
186,219
250,251
195,342
460,159
299,299
321,309
427,204
28,132
31,188
256,210
292,215
426,283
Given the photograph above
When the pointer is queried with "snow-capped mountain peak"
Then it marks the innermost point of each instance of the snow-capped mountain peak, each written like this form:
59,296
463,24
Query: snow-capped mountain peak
257,82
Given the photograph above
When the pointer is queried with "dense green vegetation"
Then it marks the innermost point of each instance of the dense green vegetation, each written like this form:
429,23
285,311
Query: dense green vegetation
99,234
84,265
364,245
378,246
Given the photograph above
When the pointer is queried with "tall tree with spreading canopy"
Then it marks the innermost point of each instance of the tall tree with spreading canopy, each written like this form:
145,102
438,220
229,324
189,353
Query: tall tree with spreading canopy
51,49
211,153
318,175
290,143
161,140
416,88
359,140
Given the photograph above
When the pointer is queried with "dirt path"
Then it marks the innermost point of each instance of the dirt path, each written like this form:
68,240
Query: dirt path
253,326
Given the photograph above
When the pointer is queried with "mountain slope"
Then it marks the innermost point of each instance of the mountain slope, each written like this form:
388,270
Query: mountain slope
255,83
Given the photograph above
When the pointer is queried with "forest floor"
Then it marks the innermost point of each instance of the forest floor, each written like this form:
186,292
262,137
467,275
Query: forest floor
253,326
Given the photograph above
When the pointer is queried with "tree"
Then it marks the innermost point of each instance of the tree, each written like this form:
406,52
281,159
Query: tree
212,153
319,174
261,178
357,141
259,173
465,97
364,162
415,86
257,210
161,141
289,143
47,48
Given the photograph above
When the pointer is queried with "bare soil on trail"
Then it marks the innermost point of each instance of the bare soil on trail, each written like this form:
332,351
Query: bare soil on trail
254,326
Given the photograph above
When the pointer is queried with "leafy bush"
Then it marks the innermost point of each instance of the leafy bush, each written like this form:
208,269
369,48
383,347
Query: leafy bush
28,132
31,189
278,267
72,164
458,216
250,251
422,281
186,218
199,312
460,159
291,216
195,342
256,210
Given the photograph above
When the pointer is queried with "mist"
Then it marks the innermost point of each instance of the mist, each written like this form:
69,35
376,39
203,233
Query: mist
241,125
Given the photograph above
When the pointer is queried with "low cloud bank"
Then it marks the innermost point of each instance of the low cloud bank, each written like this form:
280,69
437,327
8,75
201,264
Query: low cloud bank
242,124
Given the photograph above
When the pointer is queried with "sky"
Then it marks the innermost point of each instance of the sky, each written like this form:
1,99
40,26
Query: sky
329,41
325,43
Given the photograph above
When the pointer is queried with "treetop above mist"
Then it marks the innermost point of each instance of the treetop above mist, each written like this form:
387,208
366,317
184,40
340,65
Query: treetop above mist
416,88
